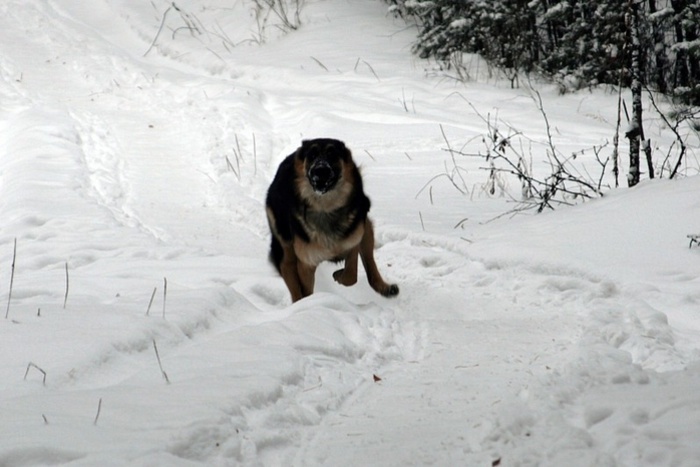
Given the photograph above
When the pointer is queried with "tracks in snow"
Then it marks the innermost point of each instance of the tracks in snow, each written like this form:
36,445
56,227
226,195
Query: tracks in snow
124,177
132,159
498,368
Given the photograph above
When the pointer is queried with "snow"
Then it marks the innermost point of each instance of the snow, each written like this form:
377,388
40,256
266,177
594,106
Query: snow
566,338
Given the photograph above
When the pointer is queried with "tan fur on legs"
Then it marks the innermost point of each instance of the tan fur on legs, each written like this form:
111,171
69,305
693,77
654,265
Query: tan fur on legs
373,275
307,277
290,273
348,275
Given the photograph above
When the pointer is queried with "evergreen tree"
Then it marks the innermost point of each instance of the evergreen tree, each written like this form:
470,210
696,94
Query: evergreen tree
586,42
578,43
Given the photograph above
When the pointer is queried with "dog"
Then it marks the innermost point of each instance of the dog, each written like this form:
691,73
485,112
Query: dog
317,211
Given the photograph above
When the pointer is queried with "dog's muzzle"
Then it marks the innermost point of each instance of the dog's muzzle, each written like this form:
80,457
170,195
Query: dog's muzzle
321,176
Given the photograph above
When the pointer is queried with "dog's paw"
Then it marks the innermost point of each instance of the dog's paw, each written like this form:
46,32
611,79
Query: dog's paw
343,279
391,290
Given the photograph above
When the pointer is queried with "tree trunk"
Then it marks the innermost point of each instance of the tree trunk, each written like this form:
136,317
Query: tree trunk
634,131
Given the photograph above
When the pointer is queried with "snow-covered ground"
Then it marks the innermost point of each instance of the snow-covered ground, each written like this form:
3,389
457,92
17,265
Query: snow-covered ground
137,140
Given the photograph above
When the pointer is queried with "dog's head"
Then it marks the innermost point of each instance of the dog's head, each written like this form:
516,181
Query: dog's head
323,160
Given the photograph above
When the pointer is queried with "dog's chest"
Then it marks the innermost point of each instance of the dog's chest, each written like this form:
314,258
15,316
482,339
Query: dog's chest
330,225
329,234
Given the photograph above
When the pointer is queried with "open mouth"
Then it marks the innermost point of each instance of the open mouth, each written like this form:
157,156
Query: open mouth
321,176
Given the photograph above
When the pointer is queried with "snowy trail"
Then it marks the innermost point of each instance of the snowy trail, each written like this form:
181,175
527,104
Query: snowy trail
500,371
487,357
511,345
142,197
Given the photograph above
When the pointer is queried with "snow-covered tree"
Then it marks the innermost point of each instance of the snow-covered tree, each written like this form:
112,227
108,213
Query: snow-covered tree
577,43
504,32
584,41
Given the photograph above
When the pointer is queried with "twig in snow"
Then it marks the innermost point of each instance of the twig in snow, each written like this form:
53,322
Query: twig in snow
238,151
150,302
65,298
160,29
99,409
190,24
372,70
315,386
319,63
165,294
12,279
231,167
403,99
32,365
460,223
404,102
239,156
368,66
160,365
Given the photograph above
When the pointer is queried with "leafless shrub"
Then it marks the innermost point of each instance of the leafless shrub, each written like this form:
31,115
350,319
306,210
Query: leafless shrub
681,120
284,15
287,13
507,154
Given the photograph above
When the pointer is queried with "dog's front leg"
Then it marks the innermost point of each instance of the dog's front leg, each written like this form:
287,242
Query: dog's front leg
373,275
348,275
290,272
307,277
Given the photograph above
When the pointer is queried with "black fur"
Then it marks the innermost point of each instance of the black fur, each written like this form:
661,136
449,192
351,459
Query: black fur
317,211
287,205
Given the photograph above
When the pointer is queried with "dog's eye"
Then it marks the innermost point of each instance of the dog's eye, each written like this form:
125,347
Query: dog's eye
312,152
308,150
330,150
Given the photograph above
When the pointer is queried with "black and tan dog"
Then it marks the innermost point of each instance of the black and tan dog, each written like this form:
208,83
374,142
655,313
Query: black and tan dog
317,211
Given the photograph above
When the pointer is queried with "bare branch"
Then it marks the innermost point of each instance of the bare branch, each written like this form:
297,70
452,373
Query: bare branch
12,279
36,367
